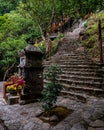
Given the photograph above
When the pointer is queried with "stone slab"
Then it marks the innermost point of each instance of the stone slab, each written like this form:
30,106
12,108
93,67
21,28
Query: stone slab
12,99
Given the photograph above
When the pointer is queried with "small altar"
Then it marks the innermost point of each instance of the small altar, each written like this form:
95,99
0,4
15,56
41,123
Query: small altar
31,70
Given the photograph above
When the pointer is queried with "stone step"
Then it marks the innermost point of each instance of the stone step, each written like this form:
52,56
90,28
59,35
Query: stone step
75,62
80,69
69,62
78,57
79,73
83,89
79,66
74,96
80,82
76,66
82,78
73,56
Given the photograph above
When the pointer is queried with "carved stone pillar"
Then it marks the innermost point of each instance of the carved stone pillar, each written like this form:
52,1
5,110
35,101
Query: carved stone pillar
32,73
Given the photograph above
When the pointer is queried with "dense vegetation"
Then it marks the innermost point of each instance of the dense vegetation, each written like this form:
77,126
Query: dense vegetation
91,37
20,19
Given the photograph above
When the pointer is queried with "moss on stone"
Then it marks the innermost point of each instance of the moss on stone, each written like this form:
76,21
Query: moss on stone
59,111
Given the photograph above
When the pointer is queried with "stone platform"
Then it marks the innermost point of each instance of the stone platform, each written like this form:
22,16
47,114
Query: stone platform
12,99
85,116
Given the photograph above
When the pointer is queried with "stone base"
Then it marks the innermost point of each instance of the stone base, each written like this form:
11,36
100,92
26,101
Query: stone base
12,99
23,102
29,98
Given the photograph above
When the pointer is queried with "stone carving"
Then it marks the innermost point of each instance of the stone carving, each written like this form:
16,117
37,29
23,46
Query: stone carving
31,69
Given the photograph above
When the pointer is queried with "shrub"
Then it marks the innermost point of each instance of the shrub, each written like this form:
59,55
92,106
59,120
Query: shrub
52,88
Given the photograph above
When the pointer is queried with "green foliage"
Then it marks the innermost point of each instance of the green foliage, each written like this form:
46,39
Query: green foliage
52,88
60,111
92,28
8,5
84,7
14,24
58,38
45,12
20,19
14,30
91,39
42,45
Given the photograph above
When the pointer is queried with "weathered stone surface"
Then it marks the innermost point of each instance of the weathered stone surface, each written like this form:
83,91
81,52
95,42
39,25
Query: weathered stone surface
32,71
90,128
12,100
32,126
78,127
13,124
54,118
38,120
45,126
99,128
74,118
1,127
86,114
32,48
59,127
97,123
24,117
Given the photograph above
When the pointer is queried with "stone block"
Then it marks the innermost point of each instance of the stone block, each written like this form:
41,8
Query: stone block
12,99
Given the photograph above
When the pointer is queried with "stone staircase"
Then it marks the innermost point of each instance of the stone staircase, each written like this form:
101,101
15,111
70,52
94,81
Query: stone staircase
80,77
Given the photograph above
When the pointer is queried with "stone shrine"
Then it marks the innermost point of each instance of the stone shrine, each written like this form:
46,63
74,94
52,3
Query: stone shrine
31,69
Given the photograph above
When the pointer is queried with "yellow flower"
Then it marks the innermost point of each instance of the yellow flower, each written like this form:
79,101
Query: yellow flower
19,87
11,87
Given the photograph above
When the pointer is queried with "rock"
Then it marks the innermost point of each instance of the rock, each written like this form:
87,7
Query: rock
32,126
90,128
13,124
59,127
78,127
45,118
54,118
38,112
74,118
80,49
37,120
97,123
99,128
29,126
45,126
98,110
12,99
98,114
1,127
86,115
